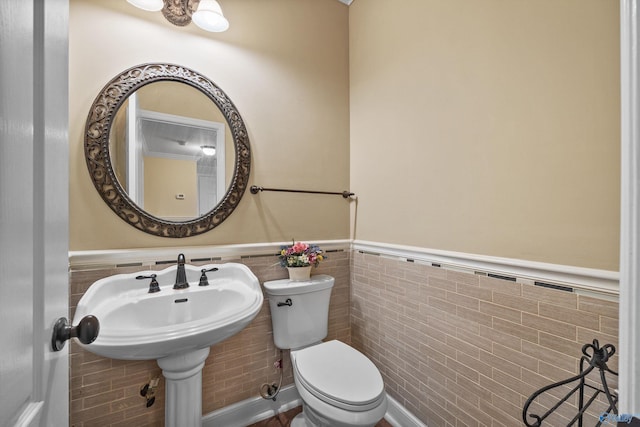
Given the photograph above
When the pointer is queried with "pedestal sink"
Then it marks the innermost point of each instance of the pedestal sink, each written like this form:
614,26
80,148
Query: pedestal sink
174,326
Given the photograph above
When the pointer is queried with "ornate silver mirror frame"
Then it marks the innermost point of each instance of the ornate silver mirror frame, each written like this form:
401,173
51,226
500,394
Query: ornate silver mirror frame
101,171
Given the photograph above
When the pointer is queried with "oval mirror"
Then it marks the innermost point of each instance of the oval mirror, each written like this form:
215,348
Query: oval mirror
167,150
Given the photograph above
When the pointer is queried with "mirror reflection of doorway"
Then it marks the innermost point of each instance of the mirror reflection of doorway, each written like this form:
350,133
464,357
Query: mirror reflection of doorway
207,172
175,164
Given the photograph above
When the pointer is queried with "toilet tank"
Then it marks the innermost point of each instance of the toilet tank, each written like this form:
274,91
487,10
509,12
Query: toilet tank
299,310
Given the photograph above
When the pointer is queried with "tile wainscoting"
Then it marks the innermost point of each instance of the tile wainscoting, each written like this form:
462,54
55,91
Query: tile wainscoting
462,348
106,392
456,347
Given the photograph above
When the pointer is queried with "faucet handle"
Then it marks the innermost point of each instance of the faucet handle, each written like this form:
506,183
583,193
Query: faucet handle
153,286
203,278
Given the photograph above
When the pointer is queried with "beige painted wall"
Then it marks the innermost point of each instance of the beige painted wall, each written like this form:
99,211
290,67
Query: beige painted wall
488,127
287,73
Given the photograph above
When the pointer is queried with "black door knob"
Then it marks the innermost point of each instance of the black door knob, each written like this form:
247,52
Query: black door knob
86,331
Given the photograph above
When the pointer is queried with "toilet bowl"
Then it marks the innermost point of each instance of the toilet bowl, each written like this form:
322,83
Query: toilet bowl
339,386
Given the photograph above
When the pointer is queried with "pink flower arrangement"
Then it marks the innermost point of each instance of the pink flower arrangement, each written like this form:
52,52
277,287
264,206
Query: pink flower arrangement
300,254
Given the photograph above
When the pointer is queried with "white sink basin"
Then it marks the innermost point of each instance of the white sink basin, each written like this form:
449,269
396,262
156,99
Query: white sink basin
135,324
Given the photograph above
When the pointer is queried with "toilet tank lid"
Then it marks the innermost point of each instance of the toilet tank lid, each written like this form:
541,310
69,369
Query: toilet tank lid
289,287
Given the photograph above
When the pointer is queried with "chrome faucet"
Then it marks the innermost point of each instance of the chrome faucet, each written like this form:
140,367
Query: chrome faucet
181,275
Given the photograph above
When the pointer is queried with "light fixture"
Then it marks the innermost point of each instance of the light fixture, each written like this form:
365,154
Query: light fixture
208,150
206,14
209,17
150,5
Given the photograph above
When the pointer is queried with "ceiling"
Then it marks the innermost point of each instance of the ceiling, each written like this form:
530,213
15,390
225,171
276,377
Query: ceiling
175,140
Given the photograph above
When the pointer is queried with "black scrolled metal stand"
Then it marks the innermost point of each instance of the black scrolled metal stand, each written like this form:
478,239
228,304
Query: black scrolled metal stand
595,357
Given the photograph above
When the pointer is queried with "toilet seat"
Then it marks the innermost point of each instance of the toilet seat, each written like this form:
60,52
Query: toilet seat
339,375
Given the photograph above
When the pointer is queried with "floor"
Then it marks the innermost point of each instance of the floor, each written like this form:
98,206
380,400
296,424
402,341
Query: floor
284,420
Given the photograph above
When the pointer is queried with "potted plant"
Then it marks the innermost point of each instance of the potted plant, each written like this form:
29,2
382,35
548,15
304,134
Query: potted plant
298,258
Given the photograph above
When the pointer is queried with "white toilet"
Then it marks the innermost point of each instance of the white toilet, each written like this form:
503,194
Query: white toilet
339,386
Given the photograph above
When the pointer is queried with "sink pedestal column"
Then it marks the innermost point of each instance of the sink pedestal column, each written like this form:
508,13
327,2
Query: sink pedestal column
183,375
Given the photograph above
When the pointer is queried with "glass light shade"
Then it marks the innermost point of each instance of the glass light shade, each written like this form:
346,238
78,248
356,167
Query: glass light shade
209,17
208,150
150,5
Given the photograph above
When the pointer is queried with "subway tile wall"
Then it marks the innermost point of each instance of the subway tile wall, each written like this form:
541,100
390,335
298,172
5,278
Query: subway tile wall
455,348
465,349
106,392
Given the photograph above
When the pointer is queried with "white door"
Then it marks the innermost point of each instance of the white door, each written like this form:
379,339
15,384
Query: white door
629,339
33,210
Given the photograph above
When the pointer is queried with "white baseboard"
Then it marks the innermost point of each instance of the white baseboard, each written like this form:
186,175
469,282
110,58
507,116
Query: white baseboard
252,410
398,416
256,409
